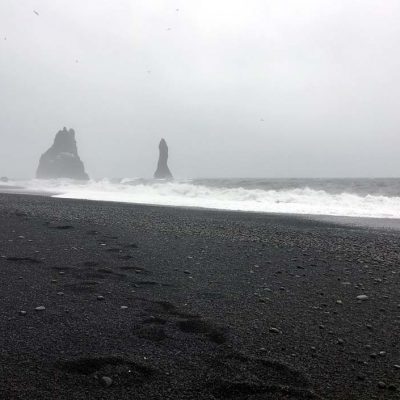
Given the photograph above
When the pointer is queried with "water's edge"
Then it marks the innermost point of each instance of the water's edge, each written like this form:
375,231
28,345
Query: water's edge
387,224
363,198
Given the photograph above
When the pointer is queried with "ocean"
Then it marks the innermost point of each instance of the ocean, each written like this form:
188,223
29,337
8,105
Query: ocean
376,198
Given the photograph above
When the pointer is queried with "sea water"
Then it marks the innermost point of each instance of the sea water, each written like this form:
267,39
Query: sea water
378,198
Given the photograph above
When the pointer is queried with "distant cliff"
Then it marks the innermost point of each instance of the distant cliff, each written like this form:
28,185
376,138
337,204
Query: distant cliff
163,171
61,160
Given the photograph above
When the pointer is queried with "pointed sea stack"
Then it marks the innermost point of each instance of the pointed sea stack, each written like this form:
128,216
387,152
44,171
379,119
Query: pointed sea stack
61,160
163,171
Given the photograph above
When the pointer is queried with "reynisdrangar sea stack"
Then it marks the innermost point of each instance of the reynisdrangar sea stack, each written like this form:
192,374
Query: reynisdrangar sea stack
163,171
61,160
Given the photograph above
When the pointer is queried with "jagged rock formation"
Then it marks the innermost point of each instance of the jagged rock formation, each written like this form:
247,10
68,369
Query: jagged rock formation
163,171
61,160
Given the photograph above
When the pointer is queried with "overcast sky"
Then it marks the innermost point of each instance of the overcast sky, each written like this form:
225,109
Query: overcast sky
242,88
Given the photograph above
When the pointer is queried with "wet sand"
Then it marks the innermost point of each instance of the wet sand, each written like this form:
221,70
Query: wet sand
146,302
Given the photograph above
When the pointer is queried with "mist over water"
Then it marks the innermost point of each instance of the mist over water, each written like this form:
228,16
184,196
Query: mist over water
377,198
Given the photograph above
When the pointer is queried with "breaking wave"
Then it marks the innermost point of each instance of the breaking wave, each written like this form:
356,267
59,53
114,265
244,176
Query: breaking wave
284,199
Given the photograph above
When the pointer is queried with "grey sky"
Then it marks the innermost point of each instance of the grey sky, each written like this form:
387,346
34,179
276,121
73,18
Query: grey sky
271,88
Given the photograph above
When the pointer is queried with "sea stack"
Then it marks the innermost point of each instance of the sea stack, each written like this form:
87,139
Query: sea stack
61,160
163,171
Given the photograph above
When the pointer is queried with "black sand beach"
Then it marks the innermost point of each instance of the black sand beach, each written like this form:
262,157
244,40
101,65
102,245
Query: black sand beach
148,302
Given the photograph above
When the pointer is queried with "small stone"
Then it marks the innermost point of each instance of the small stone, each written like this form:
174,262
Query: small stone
381,385
186,272
274,330
124,307
340,341
362,297
396,366
100,298
382,353
22,312
369,326
40,308
106,381
60,293
339,302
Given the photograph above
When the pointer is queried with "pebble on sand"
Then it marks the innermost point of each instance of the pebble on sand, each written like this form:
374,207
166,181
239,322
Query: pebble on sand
274,330
106,381
22,312
362,297
40,308
124,307
100,298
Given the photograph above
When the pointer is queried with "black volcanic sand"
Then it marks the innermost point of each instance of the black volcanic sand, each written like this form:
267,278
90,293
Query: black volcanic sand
195,304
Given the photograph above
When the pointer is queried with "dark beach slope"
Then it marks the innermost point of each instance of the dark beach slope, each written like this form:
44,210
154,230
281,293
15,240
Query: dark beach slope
195,304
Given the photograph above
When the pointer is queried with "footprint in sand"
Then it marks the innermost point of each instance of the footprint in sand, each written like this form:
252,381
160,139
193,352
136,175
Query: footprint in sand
124,372
237,376
200,326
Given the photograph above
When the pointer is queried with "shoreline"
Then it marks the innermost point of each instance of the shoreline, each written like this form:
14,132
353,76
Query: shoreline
179,303
364,222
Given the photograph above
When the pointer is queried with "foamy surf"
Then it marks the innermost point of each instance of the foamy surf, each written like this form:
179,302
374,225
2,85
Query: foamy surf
301,200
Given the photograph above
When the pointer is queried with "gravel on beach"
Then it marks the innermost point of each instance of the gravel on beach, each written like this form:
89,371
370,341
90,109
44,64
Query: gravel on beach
119,301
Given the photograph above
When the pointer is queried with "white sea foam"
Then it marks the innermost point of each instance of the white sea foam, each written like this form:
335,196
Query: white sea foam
298,201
